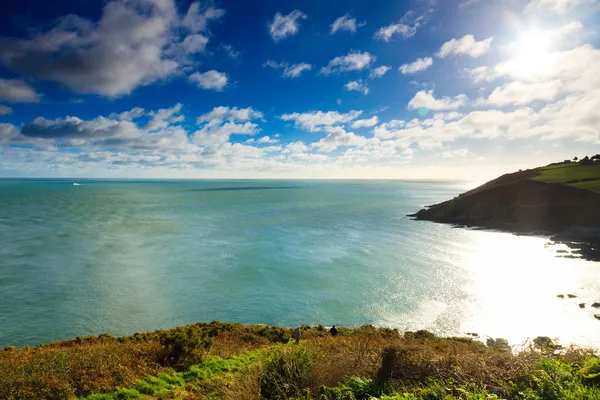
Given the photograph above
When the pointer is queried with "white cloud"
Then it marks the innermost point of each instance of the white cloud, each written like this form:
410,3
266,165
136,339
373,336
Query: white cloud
465,45
379,71
425,99
365,123
295,148
519,93
133,44
196,19
219,124
452,115
284,26
420,64
481,74
161,118
385,33
267,139
232,114
210,80
554,6
317,120
17,91
194,43
4,110
345,23
130,115
357,86
353,61
338,137
289,71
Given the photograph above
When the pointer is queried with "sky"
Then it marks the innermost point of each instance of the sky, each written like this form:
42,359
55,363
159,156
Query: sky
422,89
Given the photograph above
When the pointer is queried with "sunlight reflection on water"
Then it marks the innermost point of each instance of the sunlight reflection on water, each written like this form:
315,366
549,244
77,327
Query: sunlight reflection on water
515,281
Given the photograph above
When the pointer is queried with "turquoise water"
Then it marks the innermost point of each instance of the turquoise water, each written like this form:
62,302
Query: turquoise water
126,256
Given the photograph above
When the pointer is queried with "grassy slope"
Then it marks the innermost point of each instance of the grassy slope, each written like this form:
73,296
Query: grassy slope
576,175
546,199
261,362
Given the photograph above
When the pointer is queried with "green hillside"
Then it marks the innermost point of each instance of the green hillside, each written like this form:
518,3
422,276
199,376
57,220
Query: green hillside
577,175
560,200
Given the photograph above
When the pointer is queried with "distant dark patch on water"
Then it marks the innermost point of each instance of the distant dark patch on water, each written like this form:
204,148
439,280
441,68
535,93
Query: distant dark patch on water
223,189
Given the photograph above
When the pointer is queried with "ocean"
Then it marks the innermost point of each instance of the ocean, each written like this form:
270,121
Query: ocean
122,256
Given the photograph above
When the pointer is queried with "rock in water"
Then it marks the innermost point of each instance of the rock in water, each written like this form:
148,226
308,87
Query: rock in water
581,305
597,316
560,296
571,296
596,305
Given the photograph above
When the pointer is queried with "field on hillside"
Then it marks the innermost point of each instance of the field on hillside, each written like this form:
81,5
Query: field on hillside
574,174
237,362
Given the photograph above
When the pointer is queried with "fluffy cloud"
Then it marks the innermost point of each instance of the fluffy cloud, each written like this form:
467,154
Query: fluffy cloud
425,99
385,33
194,43
481,74
357,86
379,71
452,115
231,114
219,124
365,123
317,120
353,61
267,139
159,119
4,110
16,90
295,148
465,45
210,80
345,23
289,71
519,93
338,137
284,26
134,43
420,64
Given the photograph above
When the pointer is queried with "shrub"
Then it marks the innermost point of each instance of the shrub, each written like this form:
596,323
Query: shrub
285,375
183,347
591,371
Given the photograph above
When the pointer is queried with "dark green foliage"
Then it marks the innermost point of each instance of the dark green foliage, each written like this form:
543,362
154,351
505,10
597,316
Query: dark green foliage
183,347
352,389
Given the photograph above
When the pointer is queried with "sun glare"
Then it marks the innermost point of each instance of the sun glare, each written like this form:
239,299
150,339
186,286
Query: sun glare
532,54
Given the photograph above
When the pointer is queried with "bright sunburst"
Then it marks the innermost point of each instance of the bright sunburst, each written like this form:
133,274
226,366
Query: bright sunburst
532,54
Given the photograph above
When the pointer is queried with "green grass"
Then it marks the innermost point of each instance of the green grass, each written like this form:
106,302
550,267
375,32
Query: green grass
576,175
166,382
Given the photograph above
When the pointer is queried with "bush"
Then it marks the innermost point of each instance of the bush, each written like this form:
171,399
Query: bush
590,372
183,347
285,375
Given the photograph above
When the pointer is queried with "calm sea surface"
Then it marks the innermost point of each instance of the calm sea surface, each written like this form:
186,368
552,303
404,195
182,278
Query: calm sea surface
127,256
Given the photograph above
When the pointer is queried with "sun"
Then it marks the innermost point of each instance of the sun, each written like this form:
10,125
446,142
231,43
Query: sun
532,55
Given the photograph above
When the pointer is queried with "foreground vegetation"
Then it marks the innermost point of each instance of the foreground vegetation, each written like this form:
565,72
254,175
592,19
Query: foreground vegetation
233,361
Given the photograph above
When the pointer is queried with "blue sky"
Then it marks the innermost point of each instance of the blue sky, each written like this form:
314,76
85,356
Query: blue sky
273,89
